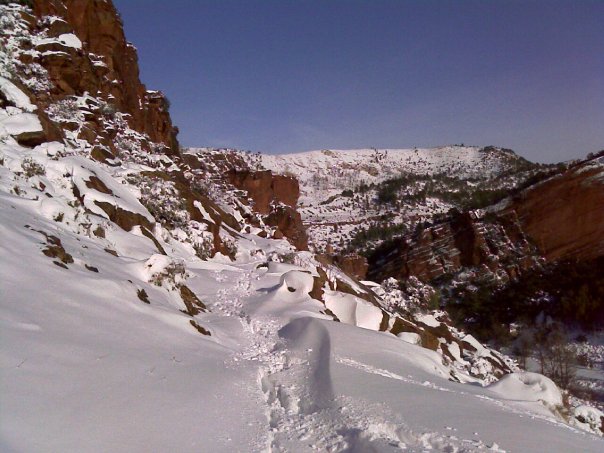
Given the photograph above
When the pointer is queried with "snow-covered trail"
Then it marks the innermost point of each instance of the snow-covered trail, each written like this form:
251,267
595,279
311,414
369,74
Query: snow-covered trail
293,368
326,386
86,366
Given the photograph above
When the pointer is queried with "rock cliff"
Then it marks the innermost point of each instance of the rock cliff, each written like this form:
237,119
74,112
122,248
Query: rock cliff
86,53
276,197
559,218
563,215
496,243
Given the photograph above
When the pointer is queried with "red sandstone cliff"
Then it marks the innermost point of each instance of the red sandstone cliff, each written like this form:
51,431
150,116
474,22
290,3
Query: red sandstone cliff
565,215
559,218
105,67
276,197
265,188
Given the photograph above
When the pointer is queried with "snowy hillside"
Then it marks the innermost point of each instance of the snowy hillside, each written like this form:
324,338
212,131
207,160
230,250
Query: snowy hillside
340,189
103,349
350,168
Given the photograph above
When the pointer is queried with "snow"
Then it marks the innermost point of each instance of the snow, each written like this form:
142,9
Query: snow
380,164
82,170
339,192
82,349
428,320
19,123
99,350
588,416
353,310
410,337
15,95
527,386
202,210
70,40
326,173
66,40
51,149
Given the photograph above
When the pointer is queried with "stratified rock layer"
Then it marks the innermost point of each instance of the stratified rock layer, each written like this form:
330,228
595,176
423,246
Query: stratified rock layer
565,215
559,218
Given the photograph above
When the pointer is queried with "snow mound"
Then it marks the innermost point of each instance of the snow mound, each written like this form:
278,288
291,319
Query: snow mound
15,96
296,281
588,418
70,40
353,310
65,40
410,337
309,340
526,386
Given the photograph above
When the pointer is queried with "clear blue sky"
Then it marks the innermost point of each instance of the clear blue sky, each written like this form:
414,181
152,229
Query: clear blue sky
283,76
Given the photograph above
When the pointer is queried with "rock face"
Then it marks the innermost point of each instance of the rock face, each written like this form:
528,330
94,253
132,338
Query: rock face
276,197
353,264
265,188
102,64
564,215
560,218
465,241
289,225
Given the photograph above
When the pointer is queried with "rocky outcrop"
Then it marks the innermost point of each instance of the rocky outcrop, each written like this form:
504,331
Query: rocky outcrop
275,197
125,219
103,64
559,218
289,224
31,139
430,330
494,243
265,188
353,264
563,215
286,190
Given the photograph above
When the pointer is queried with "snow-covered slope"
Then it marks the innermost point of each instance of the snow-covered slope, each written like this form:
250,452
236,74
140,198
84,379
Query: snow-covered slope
87,366
319,171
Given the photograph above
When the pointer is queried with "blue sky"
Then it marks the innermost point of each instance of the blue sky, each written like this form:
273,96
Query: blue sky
284,76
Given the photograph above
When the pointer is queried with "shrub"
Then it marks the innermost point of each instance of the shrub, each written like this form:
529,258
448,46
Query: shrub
204,248
171,276
434,302
557,359
32,168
